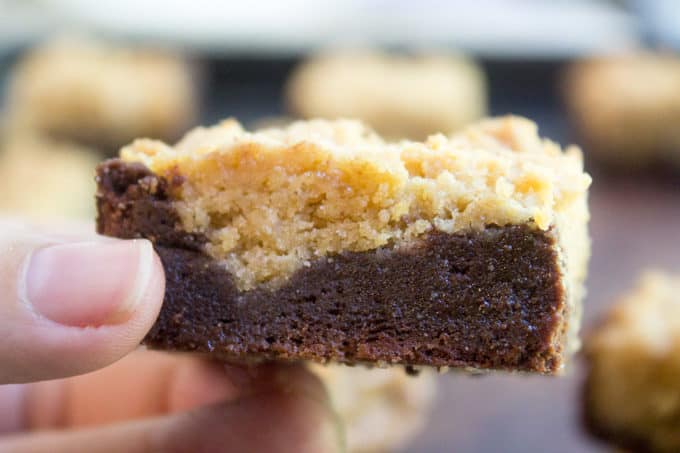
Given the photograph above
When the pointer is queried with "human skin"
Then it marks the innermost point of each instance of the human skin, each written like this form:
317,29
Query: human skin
74,307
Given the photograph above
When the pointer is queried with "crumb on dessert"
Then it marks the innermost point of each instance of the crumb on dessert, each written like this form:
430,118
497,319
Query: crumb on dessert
272,201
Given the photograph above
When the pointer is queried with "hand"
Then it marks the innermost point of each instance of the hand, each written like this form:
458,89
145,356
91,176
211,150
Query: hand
72,303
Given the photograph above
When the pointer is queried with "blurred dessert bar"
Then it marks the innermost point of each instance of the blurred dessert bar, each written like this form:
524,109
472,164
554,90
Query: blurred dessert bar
381,409
626,108
632,393
321,241
44,179
101,95
398,96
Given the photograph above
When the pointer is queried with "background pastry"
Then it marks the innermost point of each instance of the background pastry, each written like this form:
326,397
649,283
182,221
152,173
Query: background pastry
99,94
44,179
632,393
626,108
382,409
400,96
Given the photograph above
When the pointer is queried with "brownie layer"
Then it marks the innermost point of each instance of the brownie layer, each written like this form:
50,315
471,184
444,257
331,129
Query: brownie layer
483,299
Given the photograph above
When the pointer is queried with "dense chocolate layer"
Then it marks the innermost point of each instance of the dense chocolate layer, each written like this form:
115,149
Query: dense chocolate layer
484,299
132,202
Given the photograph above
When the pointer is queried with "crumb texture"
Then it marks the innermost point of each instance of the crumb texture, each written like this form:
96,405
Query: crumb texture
271,202
632,393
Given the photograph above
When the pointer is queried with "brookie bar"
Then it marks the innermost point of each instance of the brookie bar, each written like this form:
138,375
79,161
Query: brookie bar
633,380
321,241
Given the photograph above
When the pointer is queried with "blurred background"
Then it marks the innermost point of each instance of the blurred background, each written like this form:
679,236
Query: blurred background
79,79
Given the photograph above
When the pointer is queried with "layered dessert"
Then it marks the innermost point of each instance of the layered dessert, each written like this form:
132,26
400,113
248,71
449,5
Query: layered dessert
102,95
632,392
400,96
321,241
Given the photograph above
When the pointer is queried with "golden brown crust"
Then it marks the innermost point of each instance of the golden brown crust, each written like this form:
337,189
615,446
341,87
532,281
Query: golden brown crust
489,299
273,200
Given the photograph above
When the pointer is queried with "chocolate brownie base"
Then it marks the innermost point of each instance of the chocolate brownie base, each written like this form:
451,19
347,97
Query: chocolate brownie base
490,299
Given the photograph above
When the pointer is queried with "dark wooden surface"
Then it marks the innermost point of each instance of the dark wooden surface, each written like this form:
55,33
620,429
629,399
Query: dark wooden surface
635,225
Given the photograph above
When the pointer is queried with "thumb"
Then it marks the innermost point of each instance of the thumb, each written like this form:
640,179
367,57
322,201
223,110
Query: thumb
70,306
